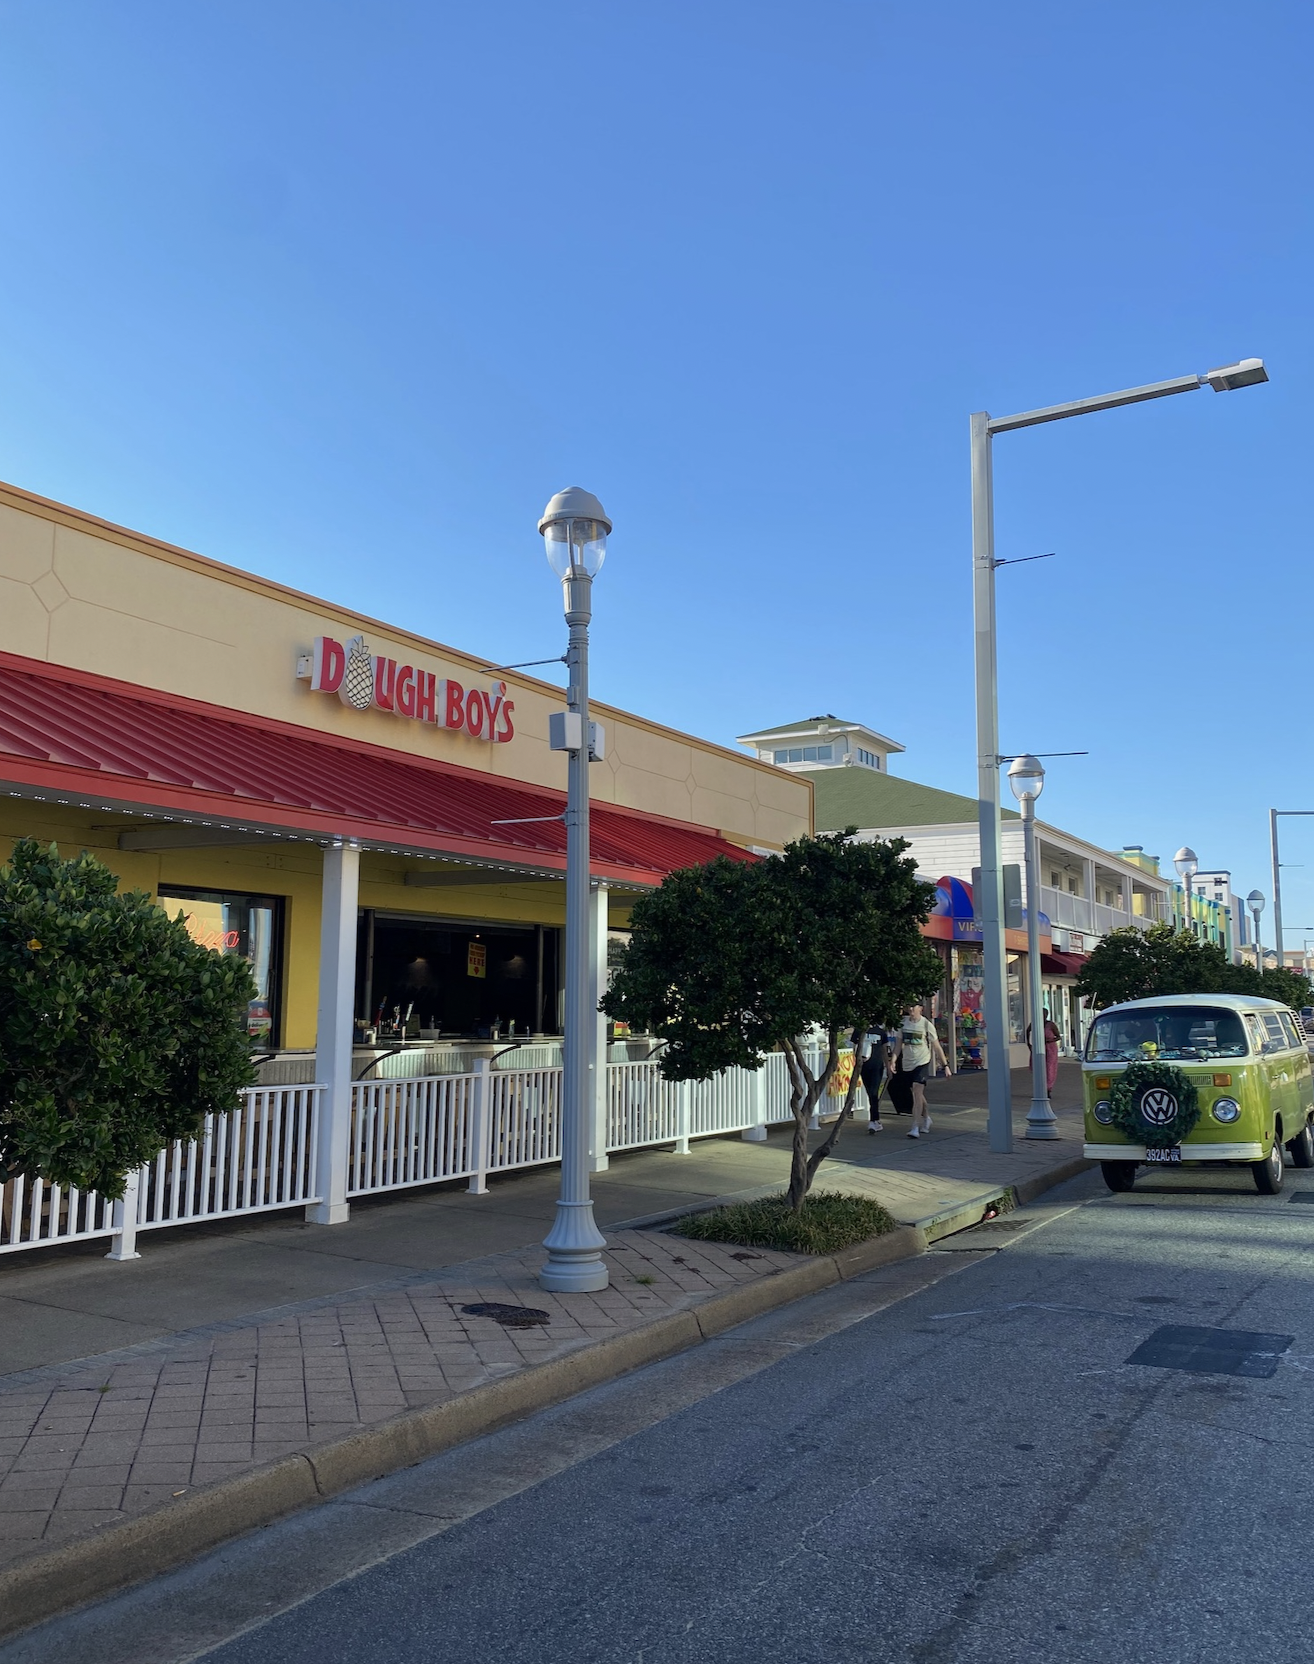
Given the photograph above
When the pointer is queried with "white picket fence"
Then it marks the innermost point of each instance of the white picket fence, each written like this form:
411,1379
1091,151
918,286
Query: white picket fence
407,1132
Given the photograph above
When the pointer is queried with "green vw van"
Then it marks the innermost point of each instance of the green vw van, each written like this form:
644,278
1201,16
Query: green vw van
1246,1060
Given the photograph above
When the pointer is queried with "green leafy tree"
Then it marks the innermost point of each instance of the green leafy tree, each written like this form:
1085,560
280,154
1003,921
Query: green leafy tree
1293,988
118,1032
732,960
1131,964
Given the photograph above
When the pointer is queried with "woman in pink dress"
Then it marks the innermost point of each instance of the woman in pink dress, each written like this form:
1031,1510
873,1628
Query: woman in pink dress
1051,1052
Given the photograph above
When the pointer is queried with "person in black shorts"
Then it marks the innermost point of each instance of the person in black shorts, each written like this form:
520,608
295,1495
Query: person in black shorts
916,1047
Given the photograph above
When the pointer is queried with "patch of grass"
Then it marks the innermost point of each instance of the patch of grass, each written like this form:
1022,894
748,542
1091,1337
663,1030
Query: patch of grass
826,1223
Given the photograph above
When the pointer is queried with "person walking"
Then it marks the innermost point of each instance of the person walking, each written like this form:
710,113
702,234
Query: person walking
915,1046
873,1076
1052,1038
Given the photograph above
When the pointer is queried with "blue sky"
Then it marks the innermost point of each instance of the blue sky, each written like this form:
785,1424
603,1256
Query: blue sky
342,293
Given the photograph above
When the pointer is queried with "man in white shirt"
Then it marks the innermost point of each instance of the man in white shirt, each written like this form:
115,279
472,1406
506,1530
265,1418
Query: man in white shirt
915,1046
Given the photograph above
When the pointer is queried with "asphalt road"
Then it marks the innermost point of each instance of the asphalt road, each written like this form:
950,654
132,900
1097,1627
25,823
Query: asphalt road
974,1471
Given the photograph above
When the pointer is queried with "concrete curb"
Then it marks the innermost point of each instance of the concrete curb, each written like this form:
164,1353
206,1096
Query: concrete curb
130,1551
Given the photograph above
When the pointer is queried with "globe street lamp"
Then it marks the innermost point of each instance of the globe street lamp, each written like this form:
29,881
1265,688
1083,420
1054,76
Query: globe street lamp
1026,776
1187,866
1255,902
575,528
989,893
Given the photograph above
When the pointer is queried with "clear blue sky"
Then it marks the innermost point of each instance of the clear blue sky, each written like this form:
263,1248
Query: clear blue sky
343,292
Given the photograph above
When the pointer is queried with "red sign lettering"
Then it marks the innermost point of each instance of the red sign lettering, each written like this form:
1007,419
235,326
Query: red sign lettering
385,675
328,662
408,691
404,693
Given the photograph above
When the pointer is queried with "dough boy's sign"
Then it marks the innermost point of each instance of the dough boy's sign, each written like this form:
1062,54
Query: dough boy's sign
362,679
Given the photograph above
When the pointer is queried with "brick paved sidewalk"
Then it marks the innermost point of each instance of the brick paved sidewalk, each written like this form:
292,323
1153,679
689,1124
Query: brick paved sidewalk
82,1445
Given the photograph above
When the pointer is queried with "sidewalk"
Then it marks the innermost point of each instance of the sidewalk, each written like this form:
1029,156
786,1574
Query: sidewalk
237,1372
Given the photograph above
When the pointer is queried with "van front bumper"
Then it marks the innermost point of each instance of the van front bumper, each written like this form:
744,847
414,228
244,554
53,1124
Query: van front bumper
1190,1152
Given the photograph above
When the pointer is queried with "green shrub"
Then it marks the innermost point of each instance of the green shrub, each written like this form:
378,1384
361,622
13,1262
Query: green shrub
118,1032
825,1223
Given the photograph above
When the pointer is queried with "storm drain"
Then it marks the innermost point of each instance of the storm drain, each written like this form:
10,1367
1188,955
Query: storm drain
510,1317
1302,1195
1212,1351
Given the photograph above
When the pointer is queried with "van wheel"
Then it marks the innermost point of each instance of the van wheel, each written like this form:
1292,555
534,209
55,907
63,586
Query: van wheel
1119,1175
1268,1173
1302,1147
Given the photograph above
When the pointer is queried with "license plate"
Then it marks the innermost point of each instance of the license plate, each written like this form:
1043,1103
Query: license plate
1174,1153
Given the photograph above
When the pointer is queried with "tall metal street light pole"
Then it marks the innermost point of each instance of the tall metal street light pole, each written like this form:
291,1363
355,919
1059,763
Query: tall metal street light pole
1026,776
989,903
575,528
1187,865
1255,902
1277,872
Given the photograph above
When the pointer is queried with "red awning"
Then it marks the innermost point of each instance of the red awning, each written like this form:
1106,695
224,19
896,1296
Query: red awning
71,736
1062,964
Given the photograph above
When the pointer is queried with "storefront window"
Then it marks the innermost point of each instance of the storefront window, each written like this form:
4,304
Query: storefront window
249,925
969,1021
1016,1008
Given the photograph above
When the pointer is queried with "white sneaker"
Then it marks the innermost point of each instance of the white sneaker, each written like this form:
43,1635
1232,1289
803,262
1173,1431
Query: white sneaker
875,1127
926,1124
914,1133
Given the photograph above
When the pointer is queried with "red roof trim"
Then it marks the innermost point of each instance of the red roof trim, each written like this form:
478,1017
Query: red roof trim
74,734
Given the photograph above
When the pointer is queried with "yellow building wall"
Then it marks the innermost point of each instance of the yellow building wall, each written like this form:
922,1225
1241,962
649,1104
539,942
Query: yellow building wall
77,591
292,872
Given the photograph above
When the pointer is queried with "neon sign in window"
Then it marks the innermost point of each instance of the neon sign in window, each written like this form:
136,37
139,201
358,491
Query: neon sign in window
249,925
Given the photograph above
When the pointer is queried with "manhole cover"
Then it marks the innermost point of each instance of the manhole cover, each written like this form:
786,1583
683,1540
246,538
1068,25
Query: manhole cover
1212,1351
510,1317
1302,1195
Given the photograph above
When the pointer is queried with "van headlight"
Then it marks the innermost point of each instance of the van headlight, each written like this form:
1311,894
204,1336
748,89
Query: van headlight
1226,1109
1103,1113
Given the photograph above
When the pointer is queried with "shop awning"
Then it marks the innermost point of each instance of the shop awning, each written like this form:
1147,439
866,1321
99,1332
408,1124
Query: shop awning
73,737
1062,964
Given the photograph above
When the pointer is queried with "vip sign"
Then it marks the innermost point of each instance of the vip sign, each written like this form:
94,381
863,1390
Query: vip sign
362,679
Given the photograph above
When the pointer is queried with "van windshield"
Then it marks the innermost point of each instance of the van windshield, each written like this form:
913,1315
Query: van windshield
1166,1031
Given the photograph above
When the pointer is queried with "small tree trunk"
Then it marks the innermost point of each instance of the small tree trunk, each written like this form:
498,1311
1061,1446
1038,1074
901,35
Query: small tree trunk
805,1090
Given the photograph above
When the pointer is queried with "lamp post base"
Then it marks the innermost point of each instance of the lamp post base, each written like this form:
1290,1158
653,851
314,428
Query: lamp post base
1041,1120
574,1264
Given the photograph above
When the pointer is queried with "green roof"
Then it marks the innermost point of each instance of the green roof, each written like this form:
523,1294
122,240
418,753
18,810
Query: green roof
864,798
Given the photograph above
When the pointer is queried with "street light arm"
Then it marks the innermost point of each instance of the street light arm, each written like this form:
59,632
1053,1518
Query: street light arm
1104,401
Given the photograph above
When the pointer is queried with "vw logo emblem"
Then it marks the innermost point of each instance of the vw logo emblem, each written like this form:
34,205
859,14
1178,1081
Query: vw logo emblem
1158,1107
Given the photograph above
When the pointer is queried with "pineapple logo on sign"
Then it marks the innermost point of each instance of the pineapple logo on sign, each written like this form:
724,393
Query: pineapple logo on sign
357,688
362,680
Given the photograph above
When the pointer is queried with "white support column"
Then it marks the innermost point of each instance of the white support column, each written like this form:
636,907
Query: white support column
337,992
481,1123
123,1244
598,1159
684,1114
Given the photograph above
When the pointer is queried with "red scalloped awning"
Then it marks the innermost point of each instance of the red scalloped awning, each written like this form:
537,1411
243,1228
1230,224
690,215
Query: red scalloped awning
72,735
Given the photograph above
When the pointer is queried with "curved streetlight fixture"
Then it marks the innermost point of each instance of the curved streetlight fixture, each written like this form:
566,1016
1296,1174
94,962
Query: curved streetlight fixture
1026,778
1187,865
574,527
989,894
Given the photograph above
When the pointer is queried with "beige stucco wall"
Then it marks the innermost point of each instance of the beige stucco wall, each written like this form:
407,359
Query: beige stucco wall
77,591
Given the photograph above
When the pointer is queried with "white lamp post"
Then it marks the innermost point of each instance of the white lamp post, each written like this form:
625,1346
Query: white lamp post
1026,775
989,900
1255,902
1187,866
575,528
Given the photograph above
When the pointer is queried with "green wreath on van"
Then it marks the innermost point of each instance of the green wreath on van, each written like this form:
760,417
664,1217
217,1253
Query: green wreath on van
1169,1093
